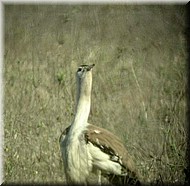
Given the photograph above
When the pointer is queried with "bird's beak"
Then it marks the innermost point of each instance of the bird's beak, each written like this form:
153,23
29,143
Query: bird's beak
90,66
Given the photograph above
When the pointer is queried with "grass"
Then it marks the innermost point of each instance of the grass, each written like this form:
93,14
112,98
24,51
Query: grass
139,85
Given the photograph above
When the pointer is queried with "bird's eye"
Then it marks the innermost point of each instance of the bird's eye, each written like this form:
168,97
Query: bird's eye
79,69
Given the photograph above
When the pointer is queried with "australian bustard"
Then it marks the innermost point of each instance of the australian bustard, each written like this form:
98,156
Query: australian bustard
86,147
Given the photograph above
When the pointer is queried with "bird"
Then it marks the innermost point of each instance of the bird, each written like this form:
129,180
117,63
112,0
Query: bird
87,148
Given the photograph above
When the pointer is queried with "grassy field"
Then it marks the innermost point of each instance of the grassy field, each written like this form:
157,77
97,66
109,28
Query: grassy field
139,85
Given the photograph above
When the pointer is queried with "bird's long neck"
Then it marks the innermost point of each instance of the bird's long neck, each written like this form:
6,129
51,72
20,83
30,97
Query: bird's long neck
79,123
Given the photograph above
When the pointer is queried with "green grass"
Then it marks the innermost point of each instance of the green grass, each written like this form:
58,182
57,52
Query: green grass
139,85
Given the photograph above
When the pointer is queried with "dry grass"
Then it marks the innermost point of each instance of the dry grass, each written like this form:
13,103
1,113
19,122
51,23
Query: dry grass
138,85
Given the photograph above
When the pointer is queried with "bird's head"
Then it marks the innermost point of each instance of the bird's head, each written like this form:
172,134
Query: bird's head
84,70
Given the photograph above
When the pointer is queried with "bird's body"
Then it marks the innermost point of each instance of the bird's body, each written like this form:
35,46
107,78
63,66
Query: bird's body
108,154
86,147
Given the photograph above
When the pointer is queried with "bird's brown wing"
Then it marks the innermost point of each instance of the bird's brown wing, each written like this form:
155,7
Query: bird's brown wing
113,146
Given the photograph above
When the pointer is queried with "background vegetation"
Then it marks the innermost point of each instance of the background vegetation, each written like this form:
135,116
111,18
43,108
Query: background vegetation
139,85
